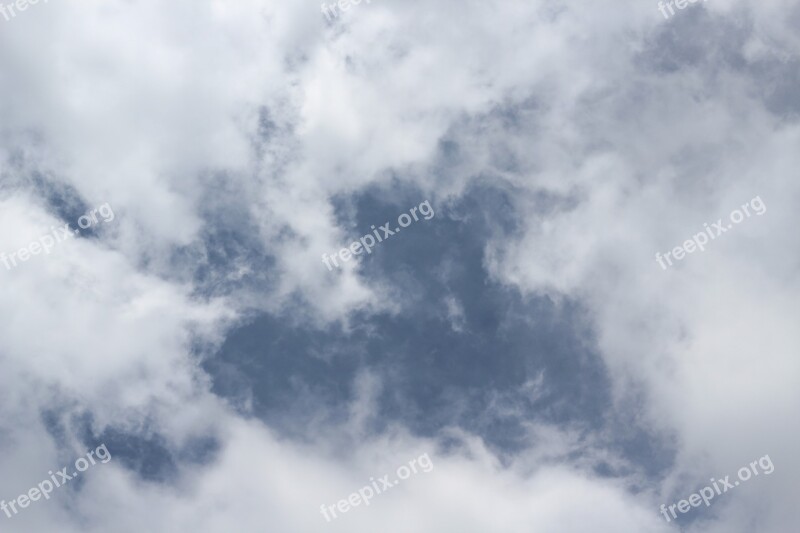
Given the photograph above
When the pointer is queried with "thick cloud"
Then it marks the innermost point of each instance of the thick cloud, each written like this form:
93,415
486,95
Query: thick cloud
525,337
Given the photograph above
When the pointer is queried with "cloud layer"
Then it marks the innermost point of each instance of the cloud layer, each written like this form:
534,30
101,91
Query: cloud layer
525,337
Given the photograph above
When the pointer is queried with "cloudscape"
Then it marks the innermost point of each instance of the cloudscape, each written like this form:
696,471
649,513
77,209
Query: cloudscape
506,266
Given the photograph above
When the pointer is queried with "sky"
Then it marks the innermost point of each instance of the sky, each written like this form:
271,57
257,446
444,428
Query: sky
441,267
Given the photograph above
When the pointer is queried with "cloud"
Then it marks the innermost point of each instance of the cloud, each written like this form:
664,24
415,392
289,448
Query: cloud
562,147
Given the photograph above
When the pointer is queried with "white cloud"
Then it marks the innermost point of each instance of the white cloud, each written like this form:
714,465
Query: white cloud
136,104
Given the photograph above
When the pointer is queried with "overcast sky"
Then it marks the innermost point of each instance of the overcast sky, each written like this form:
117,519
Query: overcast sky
549,327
